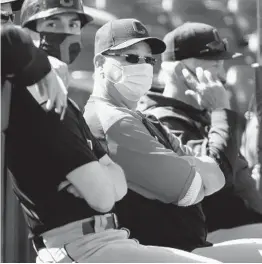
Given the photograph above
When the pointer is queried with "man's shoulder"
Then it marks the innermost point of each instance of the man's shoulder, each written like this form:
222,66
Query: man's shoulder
107,114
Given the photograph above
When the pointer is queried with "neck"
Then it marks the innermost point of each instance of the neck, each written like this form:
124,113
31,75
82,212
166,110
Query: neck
172,91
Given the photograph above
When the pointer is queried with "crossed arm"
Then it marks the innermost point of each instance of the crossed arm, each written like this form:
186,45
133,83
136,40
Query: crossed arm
159,173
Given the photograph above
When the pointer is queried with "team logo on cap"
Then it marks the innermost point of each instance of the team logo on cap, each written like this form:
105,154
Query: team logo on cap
139,28
67,3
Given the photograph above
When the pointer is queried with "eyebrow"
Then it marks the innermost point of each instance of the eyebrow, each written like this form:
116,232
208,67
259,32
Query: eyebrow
56,18
75,19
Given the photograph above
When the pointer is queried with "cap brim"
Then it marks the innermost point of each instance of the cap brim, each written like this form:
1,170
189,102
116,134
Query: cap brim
227,55
157,46
59,10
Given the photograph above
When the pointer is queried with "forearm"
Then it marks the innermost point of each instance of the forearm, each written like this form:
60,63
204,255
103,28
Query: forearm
117,176
164,175
147,164
212,177
93,184
223,141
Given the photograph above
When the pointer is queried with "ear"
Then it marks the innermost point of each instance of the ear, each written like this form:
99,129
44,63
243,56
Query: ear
99,61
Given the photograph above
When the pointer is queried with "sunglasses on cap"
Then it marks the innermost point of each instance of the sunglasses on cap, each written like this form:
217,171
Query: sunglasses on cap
216,46
133,58
7,16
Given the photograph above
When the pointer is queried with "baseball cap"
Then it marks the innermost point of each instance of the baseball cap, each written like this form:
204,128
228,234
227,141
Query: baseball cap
122,33
196,40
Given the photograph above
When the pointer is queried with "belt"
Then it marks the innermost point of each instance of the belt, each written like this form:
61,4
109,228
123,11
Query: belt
88,227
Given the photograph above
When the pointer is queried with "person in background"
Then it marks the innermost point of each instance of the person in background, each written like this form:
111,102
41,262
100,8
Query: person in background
56,28
193,114
13,38
166,181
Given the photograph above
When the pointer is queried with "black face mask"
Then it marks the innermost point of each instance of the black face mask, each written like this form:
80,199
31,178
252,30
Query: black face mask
62,46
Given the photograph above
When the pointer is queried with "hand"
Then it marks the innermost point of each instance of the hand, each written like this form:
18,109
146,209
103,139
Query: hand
61,68
209,93
53,88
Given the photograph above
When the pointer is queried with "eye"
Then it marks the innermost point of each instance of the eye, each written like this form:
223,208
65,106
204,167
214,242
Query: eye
51,24
75,24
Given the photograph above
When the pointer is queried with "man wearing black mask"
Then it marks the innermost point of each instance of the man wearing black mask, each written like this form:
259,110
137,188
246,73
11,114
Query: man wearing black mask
59,26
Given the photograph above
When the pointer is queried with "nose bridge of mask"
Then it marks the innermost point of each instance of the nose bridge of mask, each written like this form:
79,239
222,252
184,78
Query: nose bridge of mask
143,69
63,46
70,48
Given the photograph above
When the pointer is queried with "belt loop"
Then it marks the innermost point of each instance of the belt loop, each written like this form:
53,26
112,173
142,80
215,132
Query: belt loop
104,221
98,226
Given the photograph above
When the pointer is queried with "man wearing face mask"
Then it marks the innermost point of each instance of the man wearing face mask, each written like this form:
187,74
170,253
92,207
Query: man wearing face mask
159,179
166,182
195,114
59,26
56,28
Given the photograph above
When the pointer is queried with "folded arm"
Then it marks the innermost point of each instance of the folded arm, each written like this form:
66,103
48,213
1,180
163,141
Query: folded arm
151,169
221,142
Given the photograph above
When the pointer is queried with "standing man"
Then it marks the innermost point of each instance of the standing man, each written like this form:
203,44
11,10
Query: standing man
193,114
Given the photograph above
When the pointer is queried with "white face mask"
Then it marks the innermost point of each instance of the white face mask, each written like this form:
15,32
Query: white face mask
135,80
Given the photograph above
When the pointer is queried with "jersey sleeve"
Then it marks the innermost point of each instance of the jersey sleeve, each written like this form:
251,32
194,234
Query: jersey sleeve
68,143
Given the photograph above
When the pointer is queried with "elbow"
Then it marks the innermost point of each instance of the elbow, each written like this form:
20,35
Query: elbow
93,184
218,182
99,203
121,192
211,174
103,207
121,187
119,180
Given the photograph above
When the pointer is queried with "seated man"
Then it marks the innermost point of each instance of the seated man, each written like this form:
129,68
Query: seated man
194,118
68,223
166,182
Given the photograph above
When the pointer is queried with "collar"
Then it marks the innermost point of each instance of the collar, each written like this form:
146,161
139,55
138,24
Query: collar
74,104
